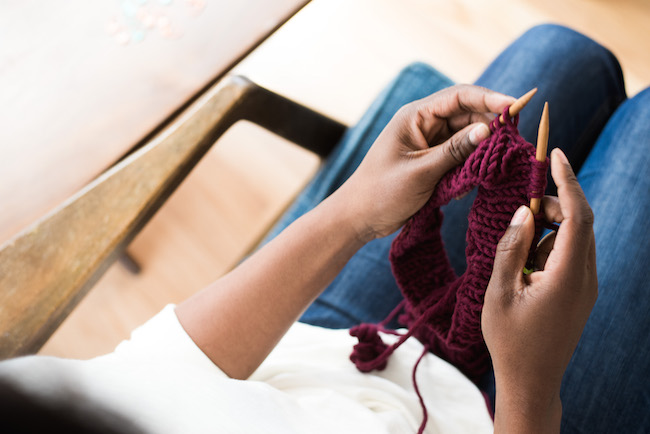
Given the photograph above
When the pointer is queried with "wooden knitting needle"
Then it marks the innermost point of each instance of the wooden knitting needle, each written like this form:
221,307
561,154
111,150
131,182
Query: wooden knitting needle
540,155
519,104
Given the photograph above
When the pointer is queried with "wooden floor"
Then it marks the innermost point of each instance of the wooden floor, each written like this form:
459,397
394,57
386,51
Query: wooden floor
334,56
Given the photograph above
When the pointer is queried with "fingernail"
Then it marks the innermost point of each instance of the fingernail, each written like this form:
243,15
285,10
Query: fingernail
561,155
520,216
478,134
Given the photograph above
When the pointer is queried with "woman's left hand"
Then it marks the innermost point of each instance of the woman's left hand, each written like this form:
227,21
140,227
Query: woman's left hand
423,141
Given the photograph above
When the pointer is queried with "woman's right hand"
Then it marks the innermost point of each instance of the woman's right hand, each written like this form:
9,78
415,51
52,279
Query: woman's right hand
423,141
532,324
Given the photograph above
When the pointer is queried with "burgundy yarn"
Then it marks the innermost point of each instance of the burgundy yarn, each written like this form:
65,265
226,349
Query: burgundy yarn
370,347
442,310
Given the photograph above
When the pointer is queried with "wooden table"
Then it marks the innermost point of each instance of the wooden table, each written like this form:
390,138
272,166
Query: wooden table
82,83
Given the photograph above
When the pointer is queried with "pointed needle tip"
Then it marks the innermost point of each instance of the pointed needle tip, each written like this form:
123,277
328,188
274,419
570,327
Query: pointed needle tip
519,104
542,135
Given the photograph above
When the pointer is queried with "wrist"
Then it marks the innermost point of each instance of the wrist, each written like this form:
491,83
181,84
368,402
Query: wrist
527,411
343,219
350,214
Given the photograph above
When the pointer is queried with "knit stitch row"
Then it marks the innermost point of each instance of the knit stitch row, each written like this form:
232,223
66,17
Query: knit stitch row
442,310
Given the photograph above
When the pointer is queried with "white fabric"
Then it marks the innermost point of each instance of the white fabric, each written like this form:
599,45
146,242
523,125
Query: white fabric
163,382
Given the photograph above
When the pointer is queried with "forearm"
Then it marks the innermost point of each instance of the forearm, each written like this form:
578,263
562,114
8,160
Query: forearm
239,319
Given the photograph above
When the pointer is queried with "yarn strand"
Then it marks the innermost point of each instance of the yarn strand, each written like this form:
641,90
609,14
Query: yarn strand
440,309
425,413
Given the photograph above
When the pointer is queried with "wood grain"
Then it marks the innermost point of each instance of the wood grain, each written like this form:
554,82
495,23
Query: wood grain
73,101
45,271
334,56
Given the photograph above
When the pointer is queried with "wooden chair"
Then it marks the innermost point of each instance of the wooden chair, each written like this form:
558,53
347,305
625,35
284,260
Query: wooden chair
48,268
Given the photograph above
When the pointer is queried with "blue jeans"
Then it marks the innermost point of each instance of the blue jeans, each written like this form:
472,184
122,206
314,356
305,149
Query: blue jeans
605,388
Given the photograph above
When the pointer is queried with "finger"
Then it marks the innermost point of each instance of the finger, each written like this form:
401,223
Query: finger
573,203
435,135
512,250
455,123
464,98
552,210
456,149
576,233
444,130
543,250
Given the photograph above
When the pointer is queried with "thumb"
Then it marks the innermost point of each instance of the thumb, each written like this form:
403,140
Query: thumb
512,250
457,148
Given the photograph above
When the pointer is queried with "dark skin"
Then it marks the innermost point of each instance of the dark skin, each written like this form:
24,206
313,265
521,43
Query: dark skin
532,324
240,318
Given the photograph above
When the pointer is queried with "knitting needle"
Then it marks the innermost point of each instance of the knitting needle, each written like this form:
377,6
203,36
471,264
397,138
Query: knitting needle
540,155
519,104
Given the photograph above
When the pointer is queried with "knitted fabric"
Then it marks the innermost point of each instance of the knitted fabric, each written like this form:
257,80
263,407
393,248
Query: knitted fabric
442,310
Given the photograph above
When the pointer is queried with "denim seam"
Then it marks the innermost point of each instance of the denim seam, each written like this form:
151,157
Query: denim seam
600,117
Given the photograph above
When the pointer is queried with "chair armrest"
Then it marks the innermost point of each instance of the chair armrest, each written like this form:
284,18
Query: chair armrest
48,268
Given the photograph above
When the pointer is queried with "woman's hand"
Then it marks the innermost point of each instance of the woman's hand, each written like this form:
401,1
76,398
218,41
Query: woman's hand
423,141
532,324
238,319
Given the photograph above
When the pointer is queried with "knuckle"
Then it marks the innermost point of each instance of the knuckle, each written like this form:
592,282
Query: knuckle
457,88
455,95
585,216
403,111
462,87
588,217
419,119
508,243
454,149
570,176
